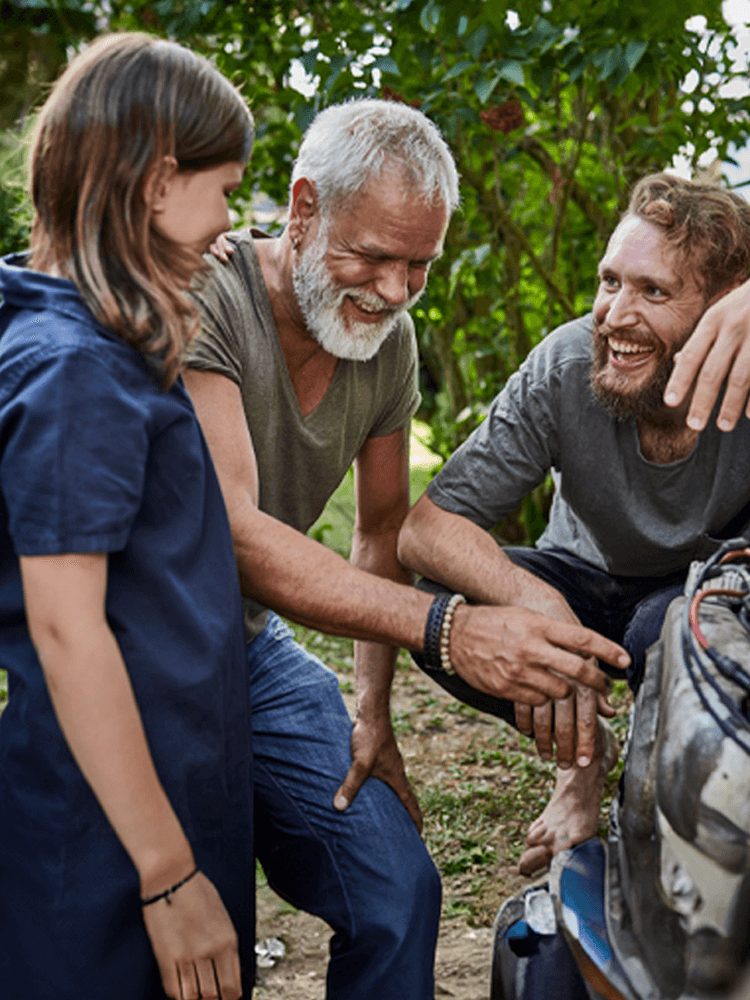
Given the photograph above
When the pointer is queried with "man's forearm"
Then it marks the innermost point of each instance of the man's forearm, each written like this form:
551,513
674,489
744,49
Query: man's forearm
374,750
374,663
312,585
454,551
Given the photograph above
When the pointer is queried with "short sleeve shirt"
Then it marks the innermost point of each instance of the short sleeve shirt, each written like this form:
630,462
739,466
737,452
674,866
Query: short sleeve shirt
301,460
612,507
95,457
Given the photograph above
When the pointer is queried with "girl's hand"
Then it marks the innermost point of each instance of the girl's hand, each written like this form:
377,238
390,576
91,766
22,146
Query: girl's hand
194,943
221,248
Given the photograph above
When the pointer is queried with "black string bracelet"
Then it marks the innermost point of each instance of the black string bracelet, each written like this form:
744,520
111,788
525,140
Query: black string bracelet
433,626
168,892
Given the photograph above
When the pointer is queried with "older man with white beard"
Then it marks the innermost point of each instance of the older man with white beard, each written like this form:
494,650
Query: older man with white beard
306,364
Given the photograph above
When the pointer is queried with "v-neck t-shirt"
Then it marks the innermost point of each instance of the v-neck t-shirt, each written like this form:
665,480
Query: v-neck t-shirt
301,460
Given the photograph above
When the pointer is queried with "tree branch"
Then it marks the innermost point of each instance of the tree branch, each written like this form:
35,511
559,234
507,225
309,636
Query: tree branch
578,194
508,223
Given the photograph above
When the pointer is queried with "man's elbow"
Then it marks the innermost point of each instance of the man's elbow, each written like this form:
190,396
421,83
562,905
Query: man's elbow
410,546
242,510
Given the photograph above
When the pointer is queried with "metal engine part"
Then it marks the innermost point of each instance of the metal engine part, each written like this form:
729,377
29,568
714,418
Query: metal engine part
678,885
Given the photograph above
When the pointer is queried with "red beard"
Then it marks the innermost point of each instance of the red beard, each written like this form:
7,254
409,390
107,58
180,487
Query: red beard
614,390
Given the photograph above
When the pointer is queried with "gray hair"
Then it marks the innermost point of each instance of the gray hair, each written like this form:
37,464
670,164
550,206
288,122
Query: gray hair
349,144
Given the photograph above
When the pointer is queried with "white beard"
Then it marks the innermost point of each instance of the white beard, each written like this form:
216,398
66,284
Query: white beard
320,300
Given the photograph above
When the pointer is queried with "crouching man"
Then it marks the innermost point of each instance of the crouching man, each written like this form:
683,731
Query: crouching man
639,493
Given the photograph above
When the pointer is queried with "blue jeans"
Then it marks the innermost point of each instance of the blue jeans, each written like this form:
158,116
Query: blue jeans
365,871
629,610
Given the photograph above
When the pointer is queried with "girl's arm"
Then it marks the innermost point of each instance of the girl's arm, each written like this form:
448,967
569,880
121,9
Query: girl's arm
193,938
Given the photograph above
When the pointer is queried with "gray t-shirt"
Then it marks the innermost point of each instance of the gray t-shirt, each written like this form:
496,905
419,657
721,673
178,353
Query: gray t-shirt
301,460
612,507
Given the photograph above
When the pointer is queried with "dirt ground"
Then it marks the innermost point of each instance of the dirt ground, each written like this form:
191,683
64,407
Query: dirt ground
462,967
434,739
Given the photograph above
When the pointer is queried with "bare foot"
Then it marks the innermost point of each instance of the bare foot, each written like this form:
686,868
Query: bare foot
572,814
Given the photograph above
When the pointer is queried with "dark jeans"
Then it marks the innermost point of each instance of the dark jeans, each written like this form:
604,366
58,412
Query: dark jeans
365,871
629,610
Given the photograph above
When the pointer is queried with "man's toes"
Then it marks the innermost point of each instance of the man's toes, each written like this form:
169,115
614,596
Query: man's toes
534,860
537,832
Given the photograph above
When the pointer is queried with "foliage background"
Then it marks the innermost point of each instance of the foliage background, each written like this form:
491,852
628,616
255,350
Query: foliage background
553,108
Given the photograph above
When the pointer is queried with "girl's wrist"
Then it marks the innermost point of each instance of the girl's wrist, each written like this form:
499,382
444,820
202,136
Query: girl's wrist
159,870
167,894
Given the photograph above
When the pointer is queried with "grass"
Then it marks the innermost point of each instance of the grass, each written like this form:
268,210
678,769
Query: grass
338,654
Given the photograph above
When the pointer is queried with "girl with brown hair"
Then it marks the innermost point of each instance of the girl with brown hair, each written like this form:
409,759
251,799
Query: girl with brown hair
126,862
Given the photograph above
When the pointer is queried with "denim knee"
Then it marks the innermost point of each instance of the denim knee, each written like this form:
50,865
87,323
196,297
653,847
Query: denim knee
427,889
420,893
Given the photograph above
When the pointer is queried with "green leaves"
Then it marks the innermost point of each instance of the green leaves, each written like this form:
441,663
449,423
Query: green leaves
457,69
511,70
477,41
634,53
614,65
429,17
485,85
550,123
386,64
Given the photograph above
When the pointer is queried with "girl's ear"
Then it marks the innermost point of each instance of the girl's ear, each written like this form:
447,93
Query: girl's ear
158,184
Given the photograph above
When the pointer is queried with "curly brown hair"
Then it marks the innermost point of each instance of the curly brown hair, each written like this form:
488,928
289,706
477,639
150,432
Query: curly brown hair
708,226
119,108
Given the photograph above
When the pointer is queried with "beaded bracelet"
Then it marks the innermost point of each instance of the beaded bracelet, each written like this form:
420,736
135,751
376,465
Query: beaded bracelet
437,632
168,892
445,632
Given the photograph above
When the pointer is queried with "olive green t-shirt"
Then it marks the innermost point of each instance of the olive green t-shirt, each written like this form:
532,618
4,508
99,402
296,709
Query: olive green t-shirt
301,460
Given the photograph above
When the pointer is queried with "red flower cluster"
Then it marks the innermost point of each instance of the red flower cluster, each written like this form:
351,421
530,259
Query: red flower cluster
387,94
504,117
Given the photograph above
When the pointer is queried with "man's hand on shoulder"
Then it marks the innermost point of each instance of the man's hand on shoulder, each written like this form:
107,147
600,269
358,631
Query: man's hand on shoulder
376,754
718,350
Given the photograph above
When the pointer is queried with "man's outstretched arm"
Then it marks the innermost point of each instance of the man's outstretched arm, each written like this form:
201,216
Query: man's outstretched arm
278,565
515,651
452,550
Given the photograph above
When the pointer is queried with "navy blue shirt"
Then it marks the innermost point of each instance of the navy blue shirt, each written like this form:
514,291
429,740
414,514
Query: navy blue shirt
96,457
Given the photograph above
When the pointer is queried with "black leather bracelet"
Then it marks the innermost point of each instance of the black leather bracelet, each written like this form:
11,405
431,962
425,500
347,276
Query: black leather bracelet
168,892
432,629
